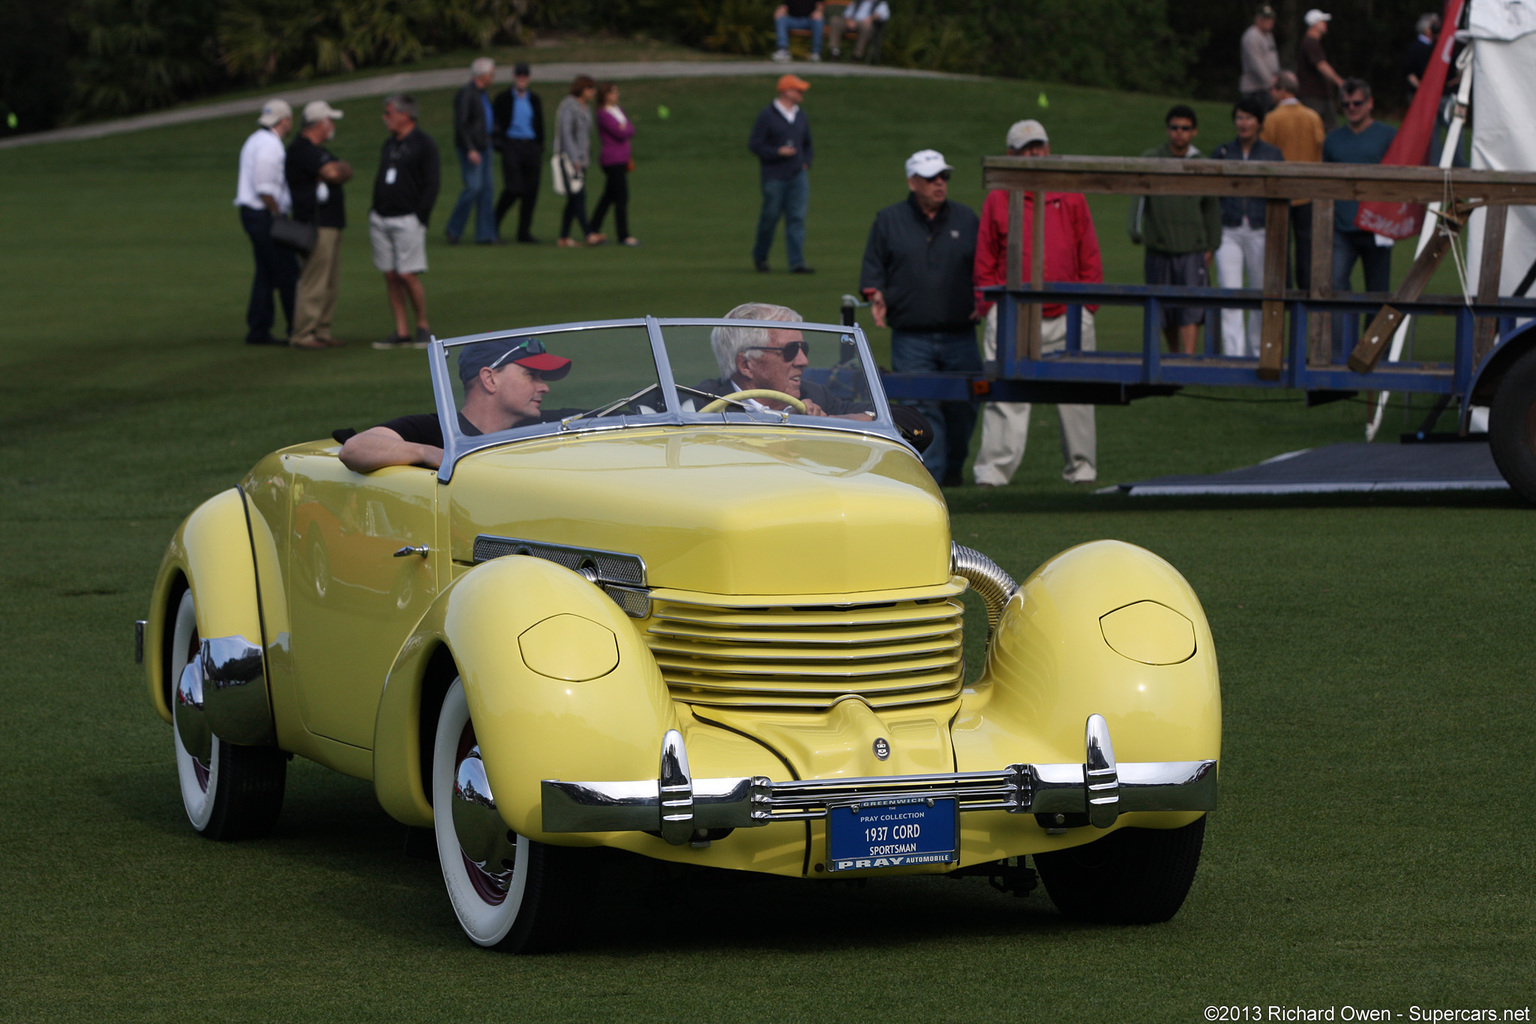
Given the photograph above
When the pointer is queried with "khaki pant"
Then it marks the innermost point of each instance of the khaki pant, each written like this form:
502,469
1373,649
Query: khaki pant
1005,425
318,283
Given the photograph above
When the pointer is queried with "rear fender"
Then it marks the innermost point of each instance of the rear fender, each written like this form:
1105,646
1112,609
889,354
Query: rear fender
559,682
211,554
1104,628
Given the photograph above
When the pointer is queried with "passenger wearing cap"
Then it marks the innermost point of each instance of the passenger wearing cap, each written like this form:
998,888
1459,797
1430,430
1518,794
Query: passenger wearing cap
315,179
505,382
1072,257
917,277
261,195
781,141
1260,57
1319,83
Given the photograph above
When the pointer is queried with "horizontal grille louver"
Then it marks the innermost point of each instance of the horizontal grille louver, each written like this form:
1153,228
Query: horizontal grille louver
808,656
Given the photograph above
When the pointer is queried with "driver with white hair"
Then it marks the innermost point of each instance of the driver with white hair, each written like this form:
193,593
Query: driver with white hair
773,359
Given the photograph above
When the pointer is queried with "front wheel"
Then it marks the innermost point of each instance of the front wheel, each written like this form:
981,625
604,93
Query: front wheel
1512,427
1131,876
502,885
229,791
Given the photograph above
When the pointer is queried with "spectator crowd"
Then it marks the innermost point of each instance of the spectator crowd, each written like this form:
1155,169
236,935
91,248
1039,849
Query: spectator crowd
926,259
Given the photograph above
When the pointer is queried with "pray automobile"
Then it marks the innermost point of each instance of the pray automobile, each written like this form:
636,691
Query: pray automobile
702,625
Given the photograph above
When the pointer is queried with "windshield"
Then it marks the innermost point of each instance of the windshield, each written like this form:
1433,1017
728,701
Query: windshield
508,385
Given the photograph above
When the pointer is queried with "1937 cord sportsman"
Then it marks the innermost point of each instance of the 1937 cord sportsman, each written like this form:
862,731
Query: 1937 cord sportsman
716,631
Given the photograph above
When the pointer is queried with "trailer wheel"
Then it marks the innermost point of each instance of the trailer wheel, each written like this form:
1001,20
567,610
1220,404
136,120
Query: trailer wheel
1512,426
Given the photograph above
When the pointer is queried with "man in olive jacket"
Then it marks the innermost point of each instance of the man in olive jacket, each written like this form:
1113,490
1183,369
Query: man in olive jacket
1181,234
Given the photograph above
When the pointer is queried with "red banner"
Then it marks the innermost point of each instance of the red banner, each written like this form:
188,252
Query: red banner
1410,148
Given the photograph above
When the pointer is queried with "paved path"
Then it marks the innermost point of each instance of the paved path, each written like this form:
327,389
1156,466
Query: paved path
421,81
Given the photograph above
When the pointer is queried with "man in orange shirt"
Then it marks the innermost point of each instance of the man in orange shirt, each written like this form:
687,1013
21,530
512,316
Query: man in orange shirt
1072,256
1298,132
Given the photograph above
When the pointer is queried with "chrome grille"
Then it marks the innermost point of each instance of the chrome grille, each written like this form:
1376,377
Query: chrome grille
808,656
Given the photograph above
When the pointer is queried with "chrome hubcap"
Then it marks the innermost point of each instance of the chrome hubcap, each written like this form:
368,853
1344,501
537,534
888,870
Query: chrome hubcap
191,723
489,848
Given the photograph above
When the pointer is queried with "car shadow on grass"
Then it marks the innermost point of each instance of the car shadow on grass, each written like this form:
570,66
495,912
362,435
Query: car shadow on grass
335,851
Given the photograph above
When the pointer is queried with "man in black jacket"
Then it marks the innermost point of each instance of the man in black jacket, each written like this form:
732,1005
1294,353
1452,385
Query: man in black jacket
519,134
404,192
917,277
472,122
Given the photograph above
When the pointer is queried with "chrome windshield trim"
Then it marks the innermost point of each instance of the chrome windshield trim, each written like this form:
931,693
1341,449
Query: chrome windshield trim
642,806
456,447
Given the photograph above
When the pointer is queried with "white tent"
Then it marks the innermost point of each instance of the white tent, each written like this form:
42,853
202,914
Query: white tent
1504,125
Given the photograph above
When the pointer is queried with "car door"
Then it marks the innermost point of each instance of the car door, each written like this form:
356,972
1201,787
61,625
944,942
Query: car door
355,591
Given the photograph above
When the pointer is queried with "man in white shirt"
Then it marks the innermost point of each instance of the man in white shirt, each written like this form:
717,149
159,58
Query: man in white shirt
261,194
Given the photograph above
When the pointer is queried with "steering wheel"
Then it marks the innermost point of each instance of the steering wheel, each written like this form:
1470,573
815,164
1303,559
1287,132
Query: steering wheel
758,393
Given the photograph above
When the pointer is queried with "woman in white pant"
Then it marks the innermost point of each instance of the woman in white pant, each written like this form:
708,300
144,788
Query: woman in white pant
1242,231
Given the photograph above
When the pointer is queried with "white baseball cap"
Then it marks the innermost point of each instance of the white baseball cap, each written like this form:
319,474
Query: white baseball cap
925,163
319,110
273,111
1024,132
1314,16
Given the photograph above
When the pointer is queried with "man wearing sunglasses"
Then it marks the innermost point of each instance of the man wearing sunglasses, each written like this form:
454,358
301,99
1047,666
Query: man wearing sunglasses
773,359
1360,140
917,275
505,382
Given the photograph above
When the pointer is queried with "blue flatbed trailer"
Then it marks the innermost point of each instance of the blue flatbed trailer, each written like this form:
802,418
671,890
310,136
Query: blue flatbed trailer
1494,360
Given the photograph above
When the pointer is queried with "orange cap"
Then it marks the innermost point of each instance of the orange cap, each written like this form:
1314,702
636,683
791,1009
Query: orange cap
793,82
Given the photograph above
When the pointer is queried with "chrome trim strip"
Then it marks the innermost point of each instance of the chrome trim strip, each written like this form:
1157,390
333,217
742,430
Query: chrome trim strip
138,640
645,806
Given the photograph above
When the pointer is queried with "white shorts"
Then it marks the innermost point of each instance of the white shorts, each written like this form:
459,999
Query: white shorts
399,243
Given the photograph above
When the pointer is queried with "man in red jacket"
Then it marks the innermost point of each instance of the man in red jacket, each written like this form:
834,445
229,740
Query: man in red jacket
1071,256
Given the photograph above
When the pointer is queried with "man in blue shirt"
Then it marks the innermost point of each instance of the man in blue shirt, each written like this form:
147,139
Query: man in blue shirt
1360,140
472,139
519,134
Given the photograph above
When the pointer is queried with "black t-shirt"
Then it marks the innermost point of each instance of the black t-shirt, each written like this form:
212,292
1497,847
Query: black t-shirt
303,169
408,178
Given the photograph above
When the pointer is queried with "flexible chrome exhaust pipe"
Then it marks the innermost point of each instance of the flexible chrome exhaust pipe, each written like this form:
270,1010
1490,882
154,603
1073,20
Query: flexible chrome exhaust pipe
986,577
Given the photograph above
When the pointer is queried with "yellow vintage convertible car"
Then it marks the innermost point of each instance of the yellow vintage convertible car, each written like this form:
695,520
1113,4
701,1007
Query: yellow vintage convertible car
706,611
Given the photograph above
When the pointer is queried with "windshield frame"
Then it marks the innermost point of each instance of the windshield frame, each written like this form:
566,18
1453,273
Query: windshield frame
457,446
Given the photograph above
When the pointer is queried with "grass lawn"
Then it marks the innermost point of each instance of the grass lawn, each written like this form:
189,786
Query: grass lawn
1372,848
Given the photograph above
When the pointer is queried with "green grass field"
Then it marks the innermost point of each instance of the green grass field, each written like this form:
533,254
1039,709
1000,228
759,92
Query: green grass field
1373,849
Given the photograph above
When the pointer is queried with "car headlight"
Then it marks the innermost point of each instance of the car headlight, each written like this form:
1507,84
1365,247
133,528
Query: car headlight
570,648
1150,633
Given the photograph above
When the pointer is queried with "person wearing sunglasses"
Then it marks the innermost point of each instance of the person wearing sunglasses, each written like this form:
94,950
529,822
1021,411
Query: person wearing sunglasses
505,382
1181,233
773,359
917,275
1360,140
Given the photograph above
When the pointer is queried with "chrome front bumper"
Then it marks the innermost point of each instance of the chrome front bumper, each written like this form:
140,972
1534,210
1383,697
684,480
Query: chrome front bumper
676,805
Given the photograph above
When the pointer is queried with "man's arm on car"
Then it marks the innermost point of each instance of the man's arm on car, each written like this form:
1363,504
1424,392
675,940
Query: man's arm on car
378,447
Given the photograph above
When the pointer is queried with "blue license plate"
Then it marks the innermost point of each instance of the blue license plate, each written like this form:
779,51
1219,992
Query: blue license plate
862,837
